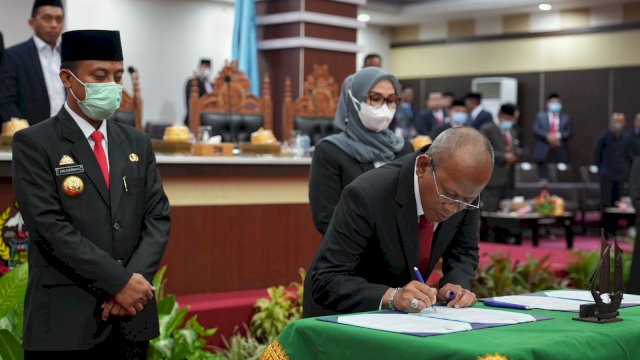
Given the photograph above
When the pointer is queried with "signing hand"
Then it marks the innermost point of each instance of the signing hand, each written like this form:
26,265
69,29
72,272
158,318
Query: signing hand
463,297
425,295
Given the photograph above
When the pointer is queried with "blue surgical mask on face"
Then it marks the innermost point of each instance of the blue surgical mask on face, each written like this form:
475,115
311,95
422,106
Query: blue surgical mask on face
555,107
506,124
458,118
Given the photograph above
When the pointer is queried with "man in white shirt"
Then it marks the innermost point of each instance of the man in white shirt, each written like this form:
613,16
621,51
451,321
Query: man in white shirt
30,87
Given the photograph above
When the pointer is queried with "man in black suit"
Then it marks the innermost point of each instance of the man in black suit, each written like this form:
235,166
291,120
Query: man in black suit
91,196
383,227
30,87
503,139
1,47
552,129
204,84
432,116
478,116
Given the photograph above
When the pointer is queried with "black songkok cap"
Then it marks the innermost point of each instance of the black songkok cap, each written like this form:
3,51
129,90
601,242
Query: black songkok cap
508,109
39,3
204,61
91,45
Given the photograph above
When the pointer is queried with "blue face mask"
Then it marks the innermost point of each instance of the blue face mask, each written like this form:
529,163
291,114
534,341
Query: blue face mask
506,124
555,107
458,118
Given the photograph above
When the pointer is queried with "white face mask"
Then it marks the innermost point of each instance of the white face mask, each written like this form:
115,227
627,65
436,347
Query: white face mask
374,119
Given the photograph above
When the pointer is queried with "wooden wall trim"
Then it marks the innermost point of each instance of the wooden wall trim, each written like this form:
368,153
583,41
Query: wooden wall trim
313,43
309,17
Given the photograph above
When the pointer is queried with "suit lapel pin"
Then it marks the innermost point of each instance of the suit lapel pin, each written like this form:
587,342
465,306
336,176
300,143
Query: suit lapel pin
72,186
133,157
66,160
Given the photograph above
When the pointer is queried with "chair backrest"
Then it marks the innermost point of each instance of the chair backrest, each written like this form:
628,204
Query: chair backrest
526,173
155,130
589,174
130,110
314,111
124,117
561,172
230,97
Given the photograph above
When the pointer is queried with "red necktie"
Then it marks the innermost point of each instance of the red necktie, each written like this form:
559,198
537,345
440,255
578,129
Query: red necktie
439,117
554,123
98,151
426,239
507,140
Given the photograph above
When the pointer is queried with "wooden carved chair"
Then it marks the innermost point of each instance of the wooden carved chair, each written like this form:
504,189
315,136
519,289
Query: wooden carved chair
231,110
130,110
312,113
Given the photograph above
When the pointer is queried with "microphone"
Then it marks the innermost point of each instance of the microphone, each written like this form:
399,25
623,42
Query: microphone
131,70
227,78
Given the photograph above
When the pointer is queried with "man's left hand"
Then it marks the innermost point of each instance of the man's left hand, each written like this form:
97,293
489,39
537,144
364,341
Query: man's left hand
463,297
112,308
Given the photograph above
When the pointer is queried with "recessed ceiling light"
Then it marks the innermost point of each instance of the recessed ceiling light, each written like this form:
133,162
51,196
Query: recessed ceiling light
364,17
544,7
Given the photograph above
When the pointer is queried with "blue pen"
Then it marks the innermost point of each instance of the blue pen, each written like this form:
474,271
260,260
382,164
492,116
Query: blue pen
452,295
506,305
419,277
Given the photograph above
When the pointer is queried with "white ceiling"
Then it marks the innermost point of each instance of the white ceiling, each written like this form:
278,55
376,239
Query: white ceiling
406,12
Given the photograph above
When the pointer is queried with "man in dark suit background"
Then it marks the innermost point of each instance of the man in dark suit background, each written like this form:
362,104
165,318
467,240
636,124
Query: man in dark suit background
1,47
552,130
92,199
635,146
30,87
432,116
504,141
478,116
384,226
204,84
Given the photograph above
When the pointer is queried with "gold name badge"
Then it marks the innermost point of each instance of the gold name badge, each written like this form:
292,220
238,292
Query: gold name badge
73,186
133,157
66,160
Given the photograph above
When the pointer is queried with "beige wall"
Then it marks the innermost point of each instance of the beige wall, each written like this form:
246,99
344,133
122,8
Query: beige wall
549,53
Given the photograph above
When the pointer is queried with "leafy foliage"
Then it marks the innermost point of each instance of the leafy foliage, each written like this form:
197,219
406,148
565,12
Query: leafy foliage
241,347
499,277
579,270
179,339
283,306
13,286
10,348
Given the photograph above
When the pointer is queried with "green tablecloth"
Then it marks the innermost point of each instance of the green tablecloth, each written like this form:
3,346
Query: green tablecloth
559,338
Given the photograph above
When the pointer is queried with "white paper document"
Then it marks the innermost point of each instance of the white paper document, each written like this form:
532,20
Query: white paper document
477,315
404,323
585,295
543,302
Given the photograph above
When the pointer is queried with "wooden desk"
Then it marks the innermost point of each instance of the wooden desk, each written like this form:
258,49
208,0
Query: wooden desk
510,221
236,223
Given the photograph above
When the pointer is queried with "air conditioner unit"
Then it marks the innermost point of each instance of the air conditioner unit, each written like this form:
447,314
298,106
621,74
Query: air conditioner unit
495,92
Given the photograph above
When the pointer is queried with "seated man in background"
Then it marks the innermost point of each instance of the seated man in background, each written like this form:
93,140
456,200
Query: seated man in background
402,123
384,226
501,137
613,159
457,117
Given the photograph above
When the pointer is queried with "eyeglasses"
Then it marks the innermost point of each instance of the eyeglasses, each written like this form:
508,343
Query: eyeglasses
448,200
376,100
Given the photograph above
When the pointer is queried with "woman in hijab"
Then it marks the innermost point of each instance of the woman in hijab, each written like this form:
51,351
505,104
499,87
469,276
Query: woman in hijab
367,104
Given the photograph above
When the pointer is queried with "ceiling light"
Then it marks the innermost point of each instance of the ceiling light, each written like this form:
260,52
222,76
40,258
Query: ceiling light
544,7
364,17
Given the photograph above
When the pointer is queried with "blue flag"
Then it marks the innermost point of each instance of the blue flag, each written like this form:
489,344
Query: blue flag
245,46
